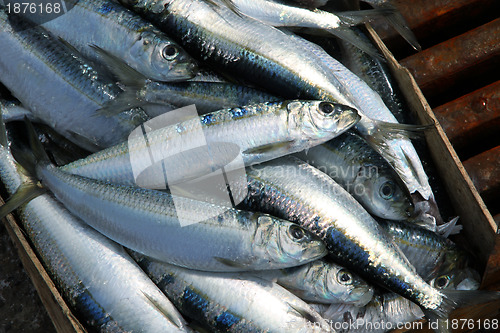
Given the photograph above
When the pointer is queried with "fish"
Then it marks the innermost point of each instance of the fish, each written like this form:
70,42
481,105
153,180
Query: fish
97,278
226,302
360,170
285,65
377,75
124,34
322,281
435,257
59,87
386,312
277,14
177,230
291,189
256,132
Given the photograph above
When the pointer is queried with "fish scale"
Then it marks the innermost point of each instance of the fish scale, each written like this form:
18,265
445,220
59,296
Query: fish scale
47,77
353,238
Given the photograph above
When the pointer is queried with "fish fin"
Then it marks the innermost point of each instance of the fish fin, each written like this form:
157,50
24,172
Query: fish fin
403,130
173,318
3,131
233,7
231,263
39,152
453,299
449,228
125,74
357,17
25,193
126,100
399,23
68,45
348,35
279,146
306,313
85,142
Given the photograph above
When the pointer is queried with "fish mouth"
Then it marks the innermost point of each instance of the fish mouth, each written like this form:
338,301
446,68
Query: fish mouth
182,72
314,252
362,295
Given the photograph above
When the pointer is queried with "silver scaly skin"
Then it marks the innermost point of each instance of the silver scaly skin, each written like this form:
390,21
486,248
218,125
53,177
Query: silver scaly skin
207,96
362,172
226,302
59,87
384,313
95,275
260,131
211,238
436,259
292,189
124,34
396,149
284,65
322,281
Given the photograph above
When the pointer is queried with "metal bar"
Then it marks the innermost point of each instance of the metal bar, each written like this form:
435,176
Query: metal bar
472,117
426,17
484,171
439,67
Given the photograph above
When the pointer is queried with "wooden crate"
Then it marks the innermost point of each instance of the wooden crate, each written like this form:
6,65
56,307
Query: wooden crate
479,227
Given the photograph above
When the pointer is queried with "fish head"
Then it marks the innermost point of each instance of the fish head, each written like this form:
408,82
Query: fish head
320,121
163,59
382,194
456,273
347,286
286,242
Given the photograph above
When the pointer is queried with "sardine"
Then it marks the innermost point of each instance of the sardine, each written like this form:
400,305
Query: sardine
177,230
260,132
284,65
360,170
95,275
229,302
59,87
338,24
124,34
292,189
322,281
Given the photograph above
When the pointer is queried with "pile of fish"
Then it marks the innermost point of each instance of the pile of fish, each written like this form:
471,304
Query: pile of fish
223,166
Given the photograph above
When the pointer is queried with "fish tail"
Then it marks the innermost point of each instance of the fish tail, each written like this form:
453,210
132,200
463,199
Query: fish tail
27,191
132,80
453,299
348,35
357,17
399,23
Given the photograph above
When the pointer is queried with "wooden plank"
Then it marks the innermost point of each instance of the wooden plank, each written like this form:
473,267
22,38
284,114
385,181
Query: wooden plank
471,118
59,312
479,226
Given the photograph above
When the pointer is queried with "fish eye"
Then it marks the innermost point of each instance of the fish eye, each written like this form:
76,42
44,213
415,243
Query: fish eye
344,277
326,108
169,52
442,282
387,190
297,232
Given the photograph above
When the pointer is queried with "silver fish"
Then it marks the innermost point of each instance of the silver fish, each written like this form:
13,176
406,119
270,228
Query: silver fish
95,275
338,24
322,281
124,34
229,302
292,189
59,87
260,131
354,165
178,230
